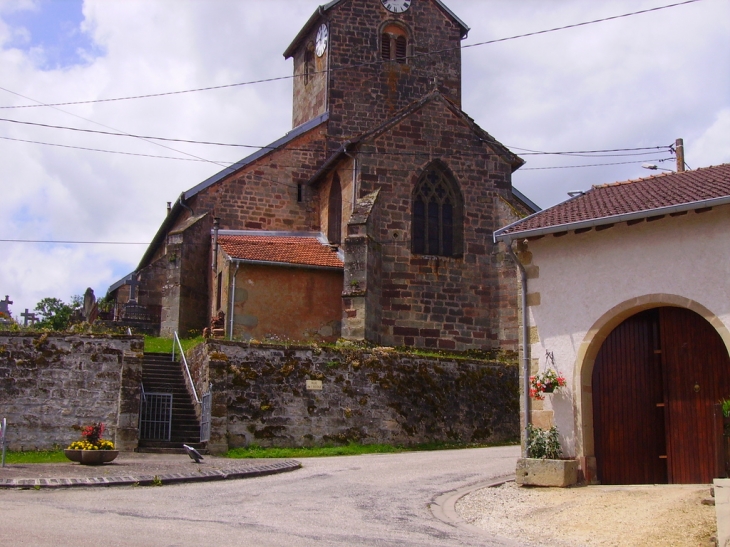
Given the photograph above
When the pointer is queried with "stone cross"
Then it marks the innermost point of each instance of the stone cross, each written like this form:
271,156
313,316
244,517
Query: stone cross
133,284
28,316
4,305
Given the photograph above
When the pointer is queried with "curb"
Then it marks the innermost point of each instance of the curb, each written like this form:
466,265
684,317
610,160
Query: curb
443,508
150,480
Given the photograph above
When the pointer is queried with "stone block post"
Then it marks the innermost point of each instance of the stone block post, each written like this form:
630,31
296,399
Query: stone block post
126,437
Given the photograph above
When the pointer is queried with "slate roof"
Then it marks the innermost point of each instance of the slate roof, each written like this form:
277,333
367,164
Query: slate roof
628,200
296,250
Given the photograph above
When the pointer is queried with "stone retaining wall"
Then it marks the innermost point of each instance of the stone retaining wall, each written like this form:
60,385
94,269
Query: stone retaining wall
52,384
261,396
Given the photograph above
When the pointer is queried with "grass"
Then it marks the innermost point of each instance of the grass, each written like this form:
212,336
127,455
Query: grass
164,345
36,456
352,449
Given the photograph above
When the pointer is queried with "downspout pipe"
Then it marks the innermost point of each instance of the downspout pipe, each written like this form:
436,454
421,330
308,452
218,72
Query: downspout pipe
214,258
525,348
355,189
232,298
182,203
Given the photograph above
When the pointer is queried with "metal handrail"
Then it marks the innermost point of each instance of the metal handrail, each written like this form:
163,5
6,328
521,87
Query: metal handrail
143,397
176,340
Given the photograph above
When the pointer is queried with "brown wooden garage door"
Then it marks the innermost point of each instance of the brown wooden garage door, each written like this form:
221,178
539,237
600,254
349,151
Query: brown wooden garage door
656,380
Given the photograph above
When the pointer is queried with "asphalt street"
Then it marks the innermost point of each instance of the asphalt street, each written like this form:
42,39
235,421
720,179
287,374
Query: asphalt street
373,500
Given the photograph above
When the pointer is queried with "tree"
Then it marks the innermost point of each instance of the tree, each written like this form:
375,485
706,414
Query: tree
56,314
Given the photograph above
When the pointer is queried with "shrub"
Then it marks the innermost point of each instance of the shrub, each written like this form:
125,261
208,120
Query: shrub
543,443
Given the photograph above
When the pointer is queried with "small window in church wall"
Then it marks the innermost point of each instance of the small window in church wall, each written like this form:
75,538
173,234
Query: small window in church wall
394,44
437,213
334,216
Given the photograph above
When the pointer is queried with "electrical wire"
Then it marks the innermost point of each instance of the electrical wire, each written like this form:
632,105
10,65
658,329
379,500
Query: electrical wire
109,151
591,165
527,152
359,65
298,166
71,242
109,127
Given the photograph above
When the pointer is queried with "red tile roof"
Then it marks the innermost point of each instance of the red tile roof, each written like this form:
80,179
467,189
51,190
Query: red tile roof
640,197
304,251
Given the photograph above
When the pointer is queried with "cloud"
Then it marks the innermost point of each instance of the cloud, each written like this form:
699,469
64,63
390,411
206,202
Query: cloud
639,81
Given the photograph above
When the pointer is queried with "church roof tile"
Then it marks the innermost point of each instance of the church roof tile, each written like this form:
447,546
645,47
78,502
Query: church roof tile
285,250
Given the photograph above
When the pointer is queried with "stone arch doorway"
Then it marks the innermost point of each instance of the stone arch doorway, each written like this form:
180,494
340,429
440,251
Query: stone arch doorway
654,380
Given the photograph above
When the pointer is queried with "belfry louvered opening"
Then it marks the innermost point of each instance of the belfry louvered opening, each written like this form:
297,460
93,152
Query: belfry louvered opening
309,67
394,44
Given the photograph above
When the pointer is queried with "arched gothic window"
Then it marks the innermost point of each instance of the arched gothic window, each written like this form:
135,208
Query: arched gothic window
437,215
334,212
394,44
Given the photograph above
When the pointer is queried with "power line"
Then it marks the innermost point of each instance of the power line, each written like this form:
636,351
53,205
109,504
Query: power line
527,152
604,153
108,127
298,166
592,165
108,151
71,242
346,67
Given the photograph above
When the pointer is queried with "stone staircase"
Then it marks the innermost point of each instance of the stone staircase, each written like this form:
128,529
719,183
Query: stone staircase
162,375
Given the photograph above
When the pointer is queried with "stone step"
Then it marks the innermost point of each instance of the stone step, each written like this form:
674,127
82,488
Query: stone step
162,375
171,447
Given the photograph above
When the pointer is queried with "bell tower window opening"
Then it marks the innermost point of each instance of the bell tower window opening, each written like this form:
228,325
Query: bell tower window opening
394,44
309,67
437,213
334,212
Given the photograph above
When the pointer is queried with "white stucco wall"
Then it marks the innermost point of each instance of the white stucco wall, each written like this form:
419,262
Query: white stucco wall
590,282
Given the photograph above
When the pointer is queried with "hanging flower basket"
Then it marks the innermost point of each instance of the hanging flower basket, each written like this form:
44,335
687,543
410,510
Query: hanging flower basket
547,382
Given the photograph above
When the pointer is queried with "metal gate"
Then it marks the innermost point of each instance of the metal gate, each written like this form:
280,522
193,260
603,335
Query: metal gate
155,416
205,412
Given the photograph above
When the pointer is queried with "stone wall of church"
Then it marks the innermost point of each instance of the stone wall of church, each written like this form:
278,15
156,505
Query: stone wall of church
430,301
195,278
51,385
310,90
304,396
264,194
370,92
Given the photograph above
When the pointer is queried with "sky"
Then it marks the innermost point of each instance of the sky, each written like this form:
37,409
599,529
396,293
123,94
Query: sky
633,82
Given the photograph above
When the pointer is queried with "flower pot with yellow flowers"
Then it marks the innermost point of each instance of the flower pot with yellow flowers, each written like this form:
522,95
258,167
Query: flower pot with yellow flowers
92,449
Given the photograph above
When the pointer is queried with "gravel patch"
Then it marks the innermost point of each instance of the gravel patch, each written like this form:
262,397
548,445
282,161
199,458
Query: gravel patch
646,515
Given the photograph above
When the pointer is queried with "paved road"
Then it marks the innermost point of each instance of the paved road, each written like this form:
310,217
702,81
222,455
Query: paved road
374,500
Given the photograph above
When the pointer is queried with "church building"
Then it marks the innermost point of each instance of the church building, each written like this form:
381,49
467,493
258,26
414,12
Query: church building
371,220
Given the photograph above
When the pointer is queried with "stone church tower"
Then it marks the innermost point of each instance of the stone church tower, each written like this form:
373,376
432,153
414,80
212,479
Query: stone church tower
382,168
373,59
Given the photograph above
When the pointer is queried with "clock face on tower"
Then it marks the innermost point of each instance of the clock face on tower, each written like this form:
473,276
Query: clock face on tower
396,6
320,43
